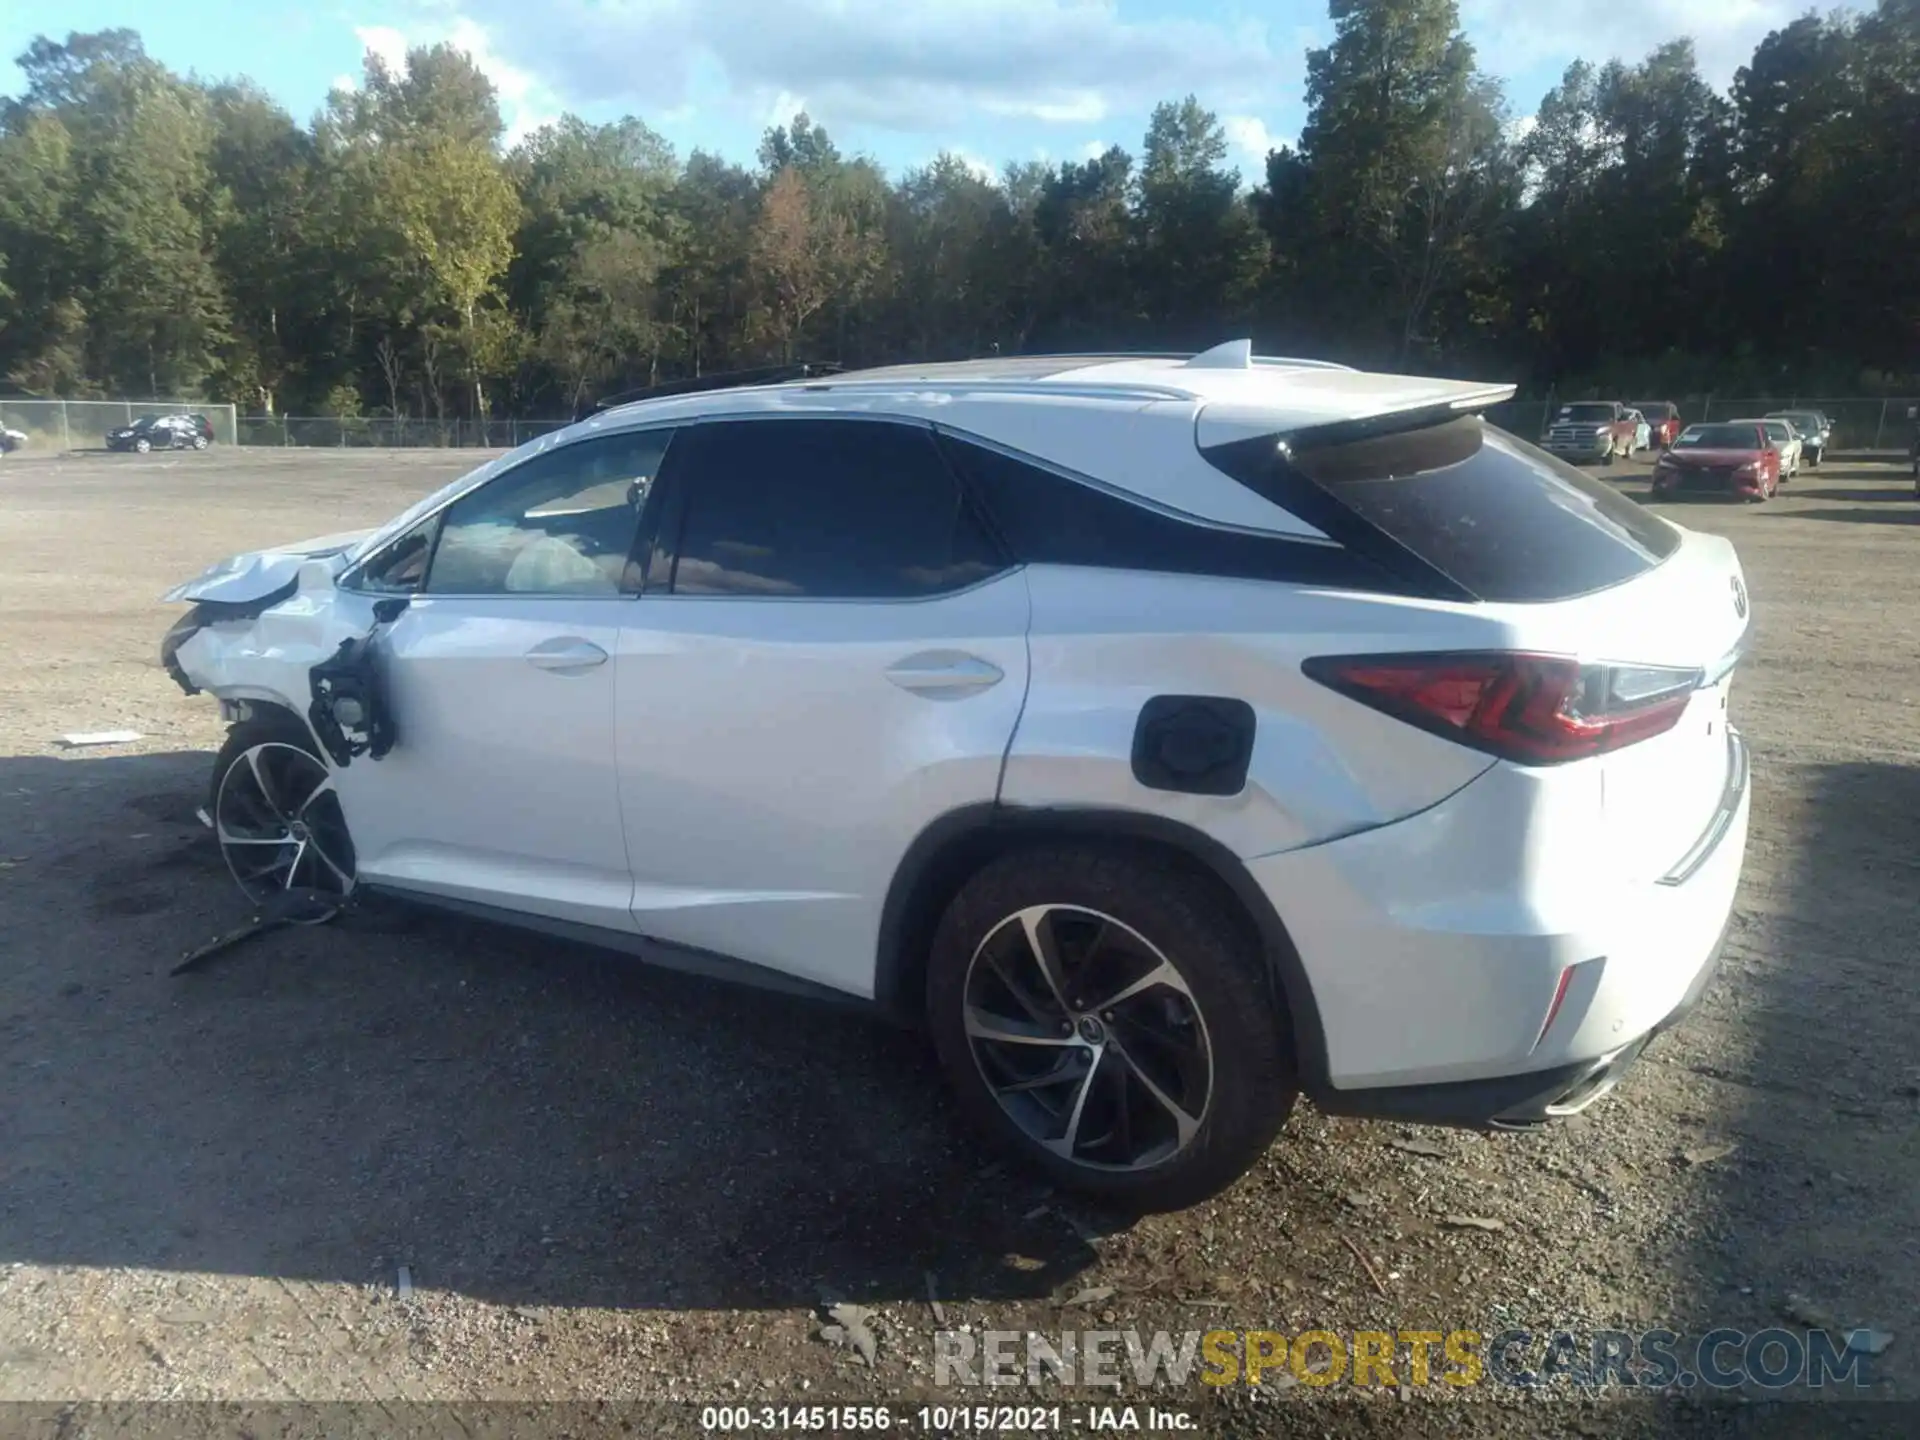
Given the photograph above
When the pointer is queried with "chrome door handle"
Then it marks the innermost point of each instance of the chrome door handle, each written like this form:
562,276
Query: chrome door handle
945,674
568,655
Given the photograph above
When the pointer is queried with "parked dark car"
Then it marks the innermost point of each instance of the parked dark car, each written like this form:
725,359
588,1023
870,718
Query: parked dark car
1816,431
1734,459
1663,418
163,432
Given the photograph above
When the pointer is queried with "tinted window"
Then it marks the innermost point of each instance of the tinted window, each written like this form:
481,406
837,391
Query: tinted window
1584,414
1049,519
847,509
1721,437
1498,518
560,524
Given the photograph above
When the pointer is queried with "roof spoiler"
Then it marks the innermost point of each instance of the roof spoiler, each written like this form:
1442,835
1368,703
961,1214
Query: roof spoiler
722,380
1396,422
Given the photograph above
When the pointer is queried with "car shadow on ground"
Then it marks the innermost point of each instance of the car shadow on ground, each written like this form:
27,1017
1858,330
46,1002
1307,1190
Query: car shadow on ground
1813,1119
1880,494
513,1117
1874,515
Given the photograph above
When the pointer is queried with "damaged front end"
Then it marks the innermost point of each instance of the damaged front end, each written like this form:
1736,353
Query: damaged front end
270,627
349,710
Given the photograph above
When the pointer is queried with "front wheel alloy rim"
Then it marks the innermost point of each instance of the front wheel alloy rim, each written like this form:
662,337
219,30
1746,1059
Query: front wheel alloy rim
1089,1038
280,825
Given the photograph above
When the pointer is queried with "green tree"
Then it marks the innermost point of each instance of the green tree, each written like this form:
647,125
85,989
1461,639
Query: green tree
454,207
1201,253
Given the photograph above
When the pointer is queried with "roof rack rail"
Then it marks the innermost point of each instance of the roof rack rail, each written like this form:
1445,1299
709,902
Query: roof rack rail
721,380
1234,355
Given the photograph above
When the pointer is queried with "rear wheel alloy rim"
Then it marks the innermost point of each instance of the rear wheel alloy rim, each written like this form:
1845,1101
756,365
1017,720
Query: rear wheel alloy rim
1089,1038
280,825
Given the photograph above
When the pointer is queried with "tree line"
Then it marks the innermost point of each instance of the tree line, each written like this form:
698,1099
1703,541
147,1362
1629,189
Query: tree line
167,236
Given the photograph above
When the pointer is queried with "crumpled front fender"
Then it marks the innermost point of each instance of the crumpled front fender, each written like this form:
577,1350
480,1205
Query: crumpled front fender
255,574
238,652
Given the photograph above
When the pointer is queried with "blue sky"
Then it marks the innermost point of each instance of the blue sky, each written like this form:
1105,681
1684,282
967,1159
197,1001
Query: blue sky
993,80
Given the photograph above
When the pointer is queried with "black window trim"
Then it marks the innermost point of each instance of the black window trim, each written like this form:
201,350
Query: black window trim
1296,559
632,574
1263,464
663,556
1122,494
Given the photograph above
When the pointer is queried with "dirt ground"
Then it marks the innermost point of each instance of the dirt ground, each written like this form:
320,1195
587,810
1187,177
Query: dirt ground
610,1183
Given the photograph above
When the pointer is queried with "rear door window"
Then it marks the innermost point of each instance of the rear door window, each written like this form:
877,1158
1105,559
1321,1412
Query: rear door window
1495,516
824,509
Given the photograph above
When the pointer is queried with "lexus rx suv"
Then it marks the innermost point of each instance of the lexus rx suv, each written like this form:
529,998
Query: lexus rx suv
1169,737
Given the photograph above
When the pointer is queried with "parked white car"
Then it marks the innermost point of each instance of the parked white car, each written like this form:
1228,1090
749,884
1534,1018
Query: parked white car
11,439
1785,439
1170,738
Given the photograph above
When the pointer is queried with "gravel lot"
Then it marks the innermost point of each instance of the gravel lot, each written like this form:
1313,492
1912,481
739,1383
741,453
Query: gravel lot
613,1183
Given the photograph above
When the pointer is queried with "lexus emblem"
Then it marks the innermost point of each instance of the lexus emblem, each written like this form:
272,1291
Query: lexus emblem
1739,597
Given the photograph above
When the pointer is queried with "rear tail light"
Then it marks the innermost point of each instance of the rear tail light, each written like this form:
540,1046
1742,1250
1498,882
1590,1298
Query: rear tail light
1531,709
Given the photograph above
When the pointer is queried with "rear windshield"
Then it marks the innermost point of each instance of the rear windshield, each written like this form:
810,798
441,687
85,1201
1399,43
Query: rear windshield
1655,409
1721,437
1584,413
1501,519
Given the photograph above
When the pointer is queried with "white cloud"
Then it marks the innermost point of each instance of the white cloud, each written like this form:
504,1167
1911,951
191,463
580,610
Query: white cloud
1093,149
525,103
1514,36
782,108
980,169
916,66
384,41
1248,141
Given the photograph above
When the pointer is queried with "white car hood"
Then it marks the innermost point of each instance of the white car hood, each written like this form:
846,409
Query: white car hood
255,573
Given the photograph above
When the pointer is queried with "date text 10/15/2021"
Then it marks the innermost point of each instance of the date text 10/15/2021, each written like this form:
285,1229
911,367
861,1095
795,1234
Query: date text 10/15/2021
943,1419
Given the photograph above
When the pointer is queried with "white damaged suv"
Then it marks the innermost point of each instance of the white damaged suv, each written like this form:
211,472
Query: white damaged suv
1170,736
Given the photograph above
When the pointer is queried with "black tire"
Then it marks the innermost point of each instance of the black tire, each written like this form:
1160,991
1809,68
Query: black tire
322,822
199,442
142,445
1226,1002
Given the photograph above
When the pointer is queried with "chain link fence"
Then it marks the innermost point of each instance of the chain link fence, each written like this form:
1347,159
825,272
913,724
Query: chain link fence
351,432
57,425
1864,423
51,426
1858,423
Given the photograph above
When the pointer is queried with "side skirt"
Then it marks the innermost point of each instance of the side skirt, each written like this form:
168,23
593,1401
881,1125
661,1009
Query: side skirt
661,953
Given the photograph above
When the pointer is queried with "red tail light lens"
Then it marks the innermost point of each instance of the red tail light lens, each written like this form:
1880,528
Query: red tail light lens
1531,709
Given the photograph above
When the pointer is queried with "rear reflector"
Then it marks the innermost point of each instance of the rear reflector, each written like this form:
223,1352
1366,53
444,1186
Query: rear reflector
1553,1010
1531,709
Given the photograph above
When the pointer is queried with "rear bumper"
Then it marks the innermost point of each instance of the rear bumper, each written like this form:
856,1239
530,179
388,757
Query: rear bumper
1435,948
1518,1102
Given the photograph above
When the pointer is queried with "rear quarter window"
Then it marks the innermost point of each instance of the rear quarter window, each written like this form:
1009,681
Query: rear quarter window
1501,519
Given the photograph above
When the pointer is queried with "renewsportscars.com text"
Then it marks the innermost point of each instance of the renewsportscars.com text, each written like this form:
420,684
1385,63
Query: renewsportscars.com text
1774,1359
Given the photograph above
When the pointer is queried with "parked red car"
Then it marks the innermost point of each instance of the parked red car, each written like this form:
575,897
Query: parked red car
1727,459
1663,418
